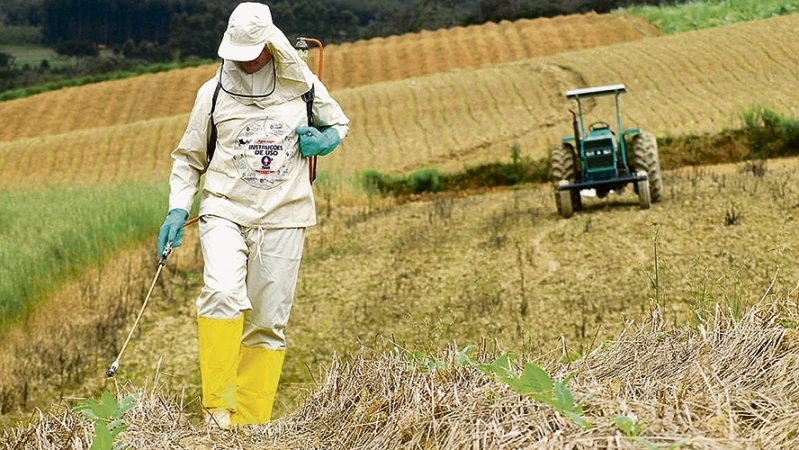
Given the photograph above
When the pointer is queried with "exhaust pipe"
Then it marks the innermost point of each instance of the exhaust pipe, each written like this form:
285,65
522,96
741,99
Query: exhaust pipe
577,138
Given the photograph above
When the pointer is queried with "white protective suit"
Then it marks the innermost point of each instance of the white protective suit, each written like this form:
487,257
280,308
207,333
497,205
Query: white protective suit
255,203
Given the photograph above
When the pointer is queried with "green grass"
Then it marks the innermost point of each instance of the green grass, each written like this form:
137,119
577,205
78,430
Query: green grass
691,16
771,134
49,234
33,55
24,35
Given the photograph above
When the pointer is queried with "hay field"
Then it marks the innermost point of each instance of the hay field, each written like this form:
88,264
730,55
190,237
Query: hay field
107,124
692,83
349,65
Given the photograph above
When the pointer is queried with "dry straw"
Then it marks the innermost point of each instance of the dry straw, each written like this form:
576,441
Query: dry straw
729,383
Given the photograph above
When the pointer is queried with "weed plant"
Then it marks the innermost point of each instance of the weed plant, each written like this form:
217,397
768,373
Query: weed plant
696,15
49,234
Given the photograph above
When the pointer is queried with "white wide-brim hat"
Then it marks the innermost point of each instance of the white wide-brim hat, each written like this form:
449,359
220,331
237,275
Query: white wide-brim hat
247,32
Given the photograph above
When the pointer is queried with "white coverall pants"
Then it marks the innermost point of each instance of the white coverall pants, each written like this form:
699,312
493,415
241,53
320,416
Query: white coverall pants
250,270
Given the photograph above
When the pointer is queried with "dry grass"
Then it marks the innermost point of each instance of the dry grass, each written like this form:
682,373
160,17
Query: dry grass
729,383
63,347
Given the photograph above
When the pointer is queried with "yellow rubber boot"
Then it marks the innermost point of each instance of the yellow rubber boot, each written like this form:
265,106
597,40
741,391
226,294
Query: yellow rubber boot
257,380
219,342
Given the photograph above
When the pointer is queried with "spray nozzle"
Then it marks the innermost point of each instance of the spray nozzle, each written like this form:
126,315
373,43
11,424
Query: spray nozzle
166,253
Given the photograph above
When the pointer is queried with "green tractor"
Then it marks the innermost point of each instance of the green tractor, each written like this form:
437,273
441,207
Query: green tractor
599,159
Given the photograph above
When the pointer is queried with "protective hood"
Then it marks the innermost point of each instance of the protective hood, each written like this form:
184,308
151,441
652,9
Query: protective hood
246,33
250,28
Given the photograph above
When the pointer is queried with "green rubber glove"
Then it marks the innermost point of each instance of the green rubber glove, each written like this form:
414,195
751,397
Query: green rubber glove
172,229
314,142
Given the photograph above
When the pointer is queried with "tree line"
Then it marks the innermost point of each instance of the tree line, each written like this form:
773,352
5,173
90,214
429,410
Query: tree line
141,32
192,28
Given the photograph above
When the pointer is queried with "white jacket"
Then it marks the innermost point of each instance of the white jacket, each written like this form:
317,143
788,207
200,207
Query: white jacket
257,177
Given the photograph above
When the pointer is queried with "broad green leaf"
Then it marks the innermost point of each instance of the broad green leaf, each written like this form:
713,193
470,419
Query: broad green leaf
117,427
544,398
126,405
500,367
536,379
102,437
87,407
565,398
462,358
114,424
625,424
93,409
522,387
109,405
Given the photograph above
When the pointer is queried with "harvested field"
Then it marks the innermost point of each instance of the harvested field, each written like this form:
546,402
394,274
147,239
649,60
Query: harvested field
428,52
349,65
498,266
727,383
694,83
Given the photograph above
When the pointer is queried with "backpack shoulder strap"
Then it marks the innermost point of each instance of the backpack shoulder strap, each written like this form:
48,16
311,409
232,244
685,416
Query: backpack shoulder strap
309,97
211,147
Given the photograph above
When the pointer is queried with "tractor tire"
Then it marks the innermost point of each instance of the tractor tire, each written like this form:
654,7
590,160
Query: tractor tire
563,168
642,188
645,158
564,200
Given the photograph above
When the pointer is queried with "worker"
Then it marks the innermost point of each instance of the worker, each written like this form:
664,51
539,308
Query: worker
255,205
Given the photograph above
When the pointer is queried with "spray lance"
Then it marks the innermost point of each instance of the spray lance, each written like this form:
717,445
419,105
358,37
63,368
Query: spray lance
112,370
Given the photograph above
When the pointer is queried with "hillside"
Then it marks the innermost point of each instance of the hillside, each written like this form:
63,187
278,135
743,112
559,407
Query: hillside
356,64
680,317
692,83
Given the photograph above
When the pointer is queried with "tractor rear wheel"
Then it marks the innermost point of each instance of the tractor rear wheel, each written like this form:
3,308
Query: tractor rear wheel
642,187
645,158
563,168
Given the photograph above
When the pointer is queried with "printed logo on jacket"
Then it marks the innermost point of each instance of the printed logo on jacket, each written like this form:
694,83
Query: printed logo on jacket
263,153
